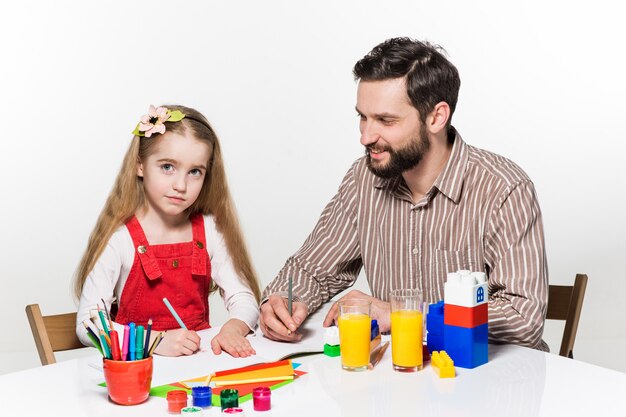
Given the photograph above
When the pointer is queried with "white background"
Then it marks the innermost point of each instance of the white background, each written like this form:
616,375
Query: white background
542,83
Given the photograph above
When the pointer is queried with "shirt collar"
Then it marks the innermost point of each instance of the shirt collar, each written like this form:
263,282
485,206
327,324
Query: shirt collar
449,182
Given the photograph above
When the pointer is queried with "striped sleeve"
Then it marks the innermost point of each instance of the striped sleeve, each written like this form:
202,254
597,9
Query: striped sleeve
518,278
330,260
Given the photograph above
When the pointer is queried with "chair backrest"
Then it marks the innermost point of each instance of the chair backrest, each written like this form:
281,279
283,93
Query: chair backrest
565,302
52,333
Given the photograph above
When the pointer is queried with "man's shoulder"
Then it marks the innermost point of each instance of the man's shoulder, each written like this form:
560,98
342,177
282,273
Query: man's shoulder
496,166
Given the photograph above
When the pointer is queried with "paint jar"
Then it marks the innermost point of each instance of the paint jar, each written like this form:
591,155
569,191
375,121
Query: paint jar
262,398
201,396
233,411
229,398
128,382
176,401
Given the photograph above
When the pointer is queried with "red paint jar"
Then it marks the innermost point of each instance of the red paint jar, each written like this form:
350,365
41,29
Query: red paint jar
176,401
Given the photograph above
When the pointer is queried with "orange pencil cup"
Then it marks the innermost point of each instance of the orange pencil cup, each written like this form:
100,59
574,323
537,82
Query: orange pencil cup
128,382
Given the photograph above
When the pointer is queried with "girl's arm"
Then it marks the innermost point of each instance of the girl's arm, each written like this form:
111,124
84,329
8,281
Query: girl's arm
105,281
237,295
243,309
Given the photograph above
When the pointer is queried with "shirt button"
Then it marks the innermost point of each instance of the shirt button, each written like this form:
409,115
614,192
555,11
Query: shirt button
175,263
142,249
200,244
415,251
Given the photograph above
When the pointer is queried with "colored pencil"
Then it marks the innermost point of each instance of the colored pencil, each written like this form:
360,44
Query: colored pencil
174,313
103,320
106,311
290,296
94,339
139,343
131,341
115,346
146,347
105,346
125,343
156,342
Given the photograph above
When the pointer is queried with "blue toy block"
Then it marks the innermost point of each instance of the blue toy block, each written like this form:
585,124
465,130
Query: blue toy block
434,318
468,347
434,342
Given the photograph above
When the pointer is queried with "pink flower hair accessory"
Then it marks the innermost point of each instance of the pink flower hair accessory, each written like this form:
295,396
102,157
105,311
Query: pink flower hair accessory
154,121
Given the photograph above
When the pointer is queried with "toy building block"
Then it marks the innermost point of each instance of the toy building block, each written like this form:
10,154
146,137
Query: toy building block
375,337
468,347
442,364
466,290
434,326
465,316
332,351
331,342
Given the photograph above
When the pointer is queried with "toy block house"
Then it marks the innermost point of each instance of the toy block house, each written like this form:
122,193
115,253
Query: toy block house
465,318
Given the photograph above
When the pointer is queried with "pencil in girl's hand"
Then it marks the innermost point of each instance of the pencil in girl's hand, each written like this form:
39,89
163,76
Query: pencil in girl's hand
115,346
105,346
174,313
94,339
146,347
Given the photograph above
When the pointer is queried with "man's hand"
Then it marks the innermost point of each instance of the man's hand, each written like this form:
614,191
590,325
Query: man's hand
277,324
381,310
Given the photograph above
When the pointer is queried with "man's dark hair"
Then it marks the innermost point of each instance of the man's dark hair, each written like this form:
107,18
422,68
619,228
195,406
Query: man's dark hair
430,77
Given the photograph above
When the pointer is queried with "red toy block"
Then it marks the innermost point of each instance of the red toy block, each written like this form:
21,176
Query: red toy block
467,317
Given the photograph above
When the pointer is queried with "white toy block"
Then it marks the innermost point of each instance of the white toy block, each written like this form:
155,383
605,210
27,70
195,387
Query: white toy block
468,290
331,336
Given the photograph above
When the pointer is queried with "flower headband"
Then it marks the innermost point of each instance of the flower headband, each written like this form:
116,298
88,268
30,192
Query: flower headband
154,121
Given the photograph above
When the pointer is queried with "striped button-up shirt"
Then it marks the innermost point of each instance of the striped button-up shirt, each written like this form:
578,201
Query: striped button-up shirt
481,214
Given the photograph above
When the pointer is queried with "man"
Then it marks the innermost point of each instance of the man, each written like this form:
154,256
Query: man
419,204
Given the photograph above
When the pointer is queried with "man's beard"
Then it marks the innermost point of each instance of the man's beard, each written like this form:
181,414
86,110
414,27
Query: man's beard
400,160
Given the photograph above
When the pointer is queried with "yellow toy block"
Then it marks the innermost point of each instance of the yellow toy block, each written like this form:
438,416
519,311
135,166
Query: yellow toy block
442,364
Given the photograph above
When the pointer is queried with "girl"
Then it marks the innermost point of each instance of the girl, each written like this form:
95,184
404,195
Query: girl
169,229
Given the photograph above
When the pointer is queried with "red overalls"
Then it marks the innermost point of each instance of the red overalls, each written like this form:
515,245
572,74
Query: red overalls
179,271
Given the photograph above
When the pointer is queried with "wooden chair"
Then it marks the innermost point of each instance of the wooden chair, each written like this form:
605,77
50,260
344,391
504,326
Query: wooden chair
52,333
565,303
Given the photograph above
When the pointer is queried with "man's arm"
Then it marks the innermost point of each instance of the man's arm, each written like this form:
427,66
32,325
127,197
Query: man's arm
328,262
518,274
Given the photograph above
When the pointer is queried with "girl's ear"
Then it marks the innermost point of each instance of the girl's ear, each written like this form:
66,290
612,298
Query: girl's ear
139,168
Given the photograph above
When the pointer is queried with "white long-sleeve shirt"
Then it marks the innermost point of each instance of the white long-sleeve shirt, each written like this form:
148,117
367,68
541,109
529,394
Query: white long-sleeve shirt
108,277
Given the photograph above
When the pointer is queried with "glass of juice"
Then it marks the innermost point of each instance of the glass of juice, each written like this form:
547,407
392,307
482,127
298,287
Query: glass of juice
354,334
406,330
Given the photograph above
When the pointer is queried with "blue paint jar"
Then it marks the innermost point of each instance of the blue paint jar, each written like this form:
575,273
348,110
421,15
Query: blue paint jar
201,396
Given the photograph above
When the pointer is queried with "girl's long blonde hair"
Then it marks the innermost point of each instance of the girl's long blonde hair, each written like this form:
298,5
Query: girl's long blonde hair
127,196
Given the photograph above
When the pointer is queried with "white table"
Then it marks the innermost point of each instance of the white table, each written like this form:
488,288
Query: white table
516,382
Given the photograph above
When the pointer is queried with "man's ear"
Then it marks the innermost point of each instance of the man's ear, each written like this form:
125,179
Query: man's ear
438,118
139,168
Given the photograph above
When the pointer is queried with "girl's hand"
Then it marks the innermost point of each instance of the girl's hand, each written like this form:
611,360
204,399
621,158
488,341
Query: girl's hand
232,339
178,342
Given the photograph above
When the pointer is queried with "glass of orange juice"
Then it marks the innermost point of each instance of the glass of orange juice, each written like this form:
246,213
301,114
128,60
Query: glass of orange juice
406,330
354,334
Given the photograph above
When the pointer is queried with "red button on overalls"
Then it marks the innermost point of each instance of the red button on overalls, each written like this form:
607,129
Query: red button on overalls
179,271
